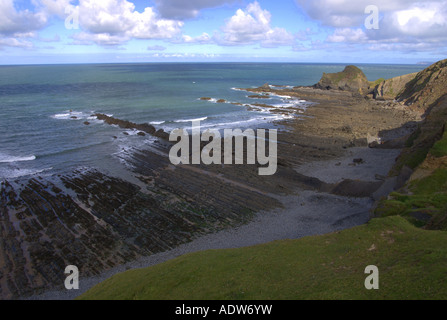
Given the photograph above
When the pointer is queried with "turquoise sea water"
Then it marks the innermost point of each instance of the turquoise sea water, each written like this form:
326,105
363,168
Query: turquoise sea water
39,134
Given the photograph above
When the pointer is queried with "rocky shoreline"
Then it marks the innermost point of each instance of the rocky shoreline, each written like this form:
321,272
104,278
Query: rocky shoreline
99,222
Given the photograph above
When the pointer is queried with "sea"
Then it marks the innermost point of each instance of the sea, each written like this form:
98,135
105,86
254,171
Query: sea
44,108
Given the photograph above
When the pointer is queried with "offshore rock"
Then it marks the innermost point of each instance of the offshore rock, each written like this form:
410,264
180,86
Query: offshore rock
124,124
350,79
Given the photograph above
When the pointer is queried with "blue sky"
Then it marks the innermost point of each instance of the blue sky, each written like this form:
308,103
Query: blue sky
340,31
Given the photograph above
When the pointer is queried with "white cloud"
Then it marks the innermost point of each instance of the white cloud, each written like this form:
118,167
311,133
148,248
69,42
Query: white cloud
113,22
203,38
186,9
149,26
55,7
104,22
102,39
348,35
17,43
399,18
408,48
185,55
405,25
253,25
424,20
13,22
277,37
349,13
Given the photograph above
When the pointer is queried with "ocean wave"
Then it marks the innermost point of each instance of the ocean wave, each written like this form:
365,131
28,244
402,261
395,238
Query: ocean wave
69,115
132,132
284,105
281,96
281,87
77,115
212,100
156,123
191,120
17,173
234,124
5,158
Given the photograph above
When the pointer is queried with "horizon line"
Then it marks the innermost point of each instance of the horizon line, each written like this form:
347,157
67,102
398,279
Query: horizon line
216,62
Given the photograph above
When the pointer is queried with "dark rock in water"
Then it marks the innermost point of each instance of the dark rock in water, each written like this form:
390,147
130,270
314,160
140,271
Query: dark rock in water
221,101
142,134
87,123
205,99
73,117
259,97
125,133
115,137
358,161
265,86
162,134
144,127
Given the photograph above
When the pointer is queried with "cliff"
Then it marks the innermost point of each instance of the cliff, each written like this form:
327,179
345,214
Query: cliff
426,88
350,79
418,91
421,197
391,88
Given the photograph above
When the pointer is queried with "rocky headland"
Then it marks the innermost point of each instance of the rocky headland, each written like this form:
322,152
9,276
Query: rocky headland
99,221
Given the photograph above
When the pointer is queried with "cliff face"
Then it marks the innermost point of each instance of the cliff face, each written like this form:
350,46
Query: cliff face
351,79
426,88
391,88
422,198
418,91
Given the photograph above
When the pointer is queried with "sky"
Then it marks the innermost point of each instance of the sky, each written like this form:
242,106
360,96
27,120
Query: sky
315,31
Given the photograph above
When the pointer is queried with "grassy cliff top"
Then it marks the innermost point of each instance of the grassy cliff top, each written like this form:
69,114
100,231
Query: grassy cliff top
411,262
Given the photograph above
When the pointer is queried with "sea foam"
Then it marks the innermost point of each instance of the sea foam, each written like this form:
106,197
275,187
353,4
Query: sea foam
5,158
191,120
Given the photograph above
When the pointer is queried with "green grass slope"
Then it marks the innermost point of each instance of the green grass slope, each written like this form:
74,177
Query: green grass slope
423,200
412,264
